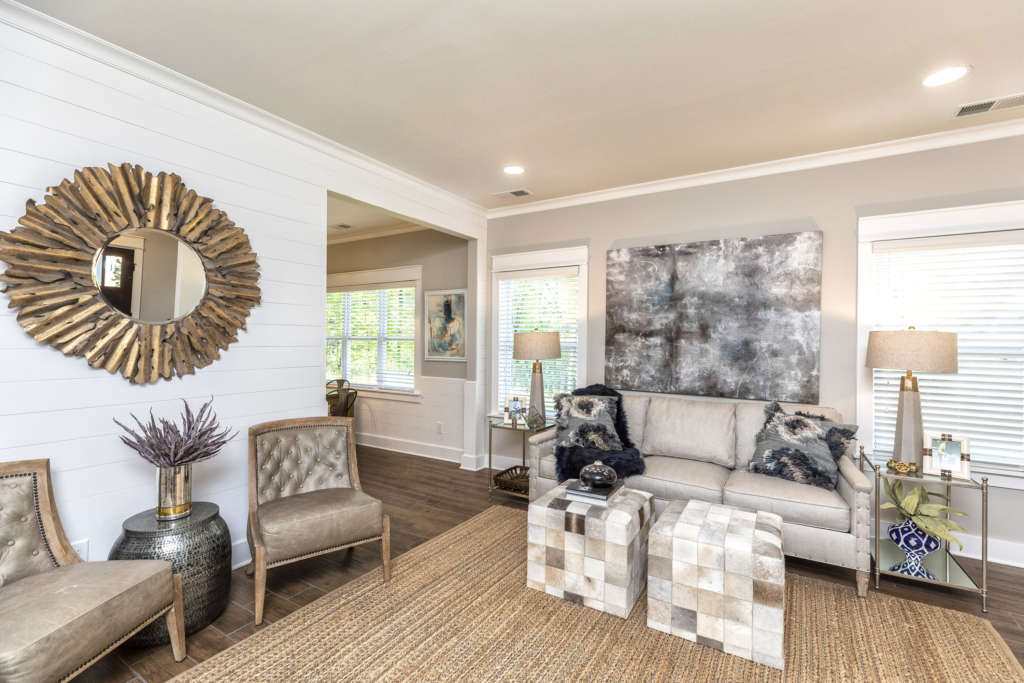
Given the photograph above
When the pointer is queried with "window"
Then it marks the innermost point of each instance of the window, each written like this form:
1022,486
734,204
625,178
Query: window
371,336
550,299
972,285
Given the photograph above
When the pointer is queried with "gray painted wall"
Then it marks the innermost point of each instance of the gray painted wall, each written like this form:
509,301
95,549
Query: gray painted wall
827,199
445,261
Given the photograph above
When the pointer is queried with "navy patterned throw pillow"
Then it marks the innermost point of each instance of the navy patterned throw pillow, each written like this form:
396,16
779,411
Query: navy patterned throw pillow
800,447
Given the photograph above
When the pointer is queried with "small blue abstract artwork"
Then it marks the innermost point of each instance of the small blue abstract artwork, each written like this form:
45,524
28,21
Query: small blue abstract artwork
445,317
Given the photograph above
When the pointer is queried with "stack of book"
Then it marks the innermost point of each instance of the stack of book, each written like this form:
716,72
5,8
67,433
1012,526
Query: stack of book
593,496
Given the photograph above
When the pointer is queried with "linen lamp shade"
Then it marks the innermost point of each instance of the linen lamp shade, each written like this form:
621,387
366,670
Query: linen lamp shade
916,350
911,350
536,346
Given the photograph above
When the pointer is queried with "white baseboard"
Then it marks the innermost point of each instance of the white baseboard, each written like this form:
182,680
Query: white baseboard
240,554
427,450
473,462
478,462
1000,551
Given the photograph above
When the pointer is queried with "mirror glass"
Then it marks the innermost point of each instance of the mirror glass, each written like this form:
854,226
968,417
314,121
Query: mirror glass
150,275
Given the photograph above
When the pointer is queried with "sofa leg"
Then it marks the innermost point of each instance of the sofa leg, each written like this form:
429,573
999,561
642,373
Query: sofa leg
250,569
260,584
862,583
385,548
176,622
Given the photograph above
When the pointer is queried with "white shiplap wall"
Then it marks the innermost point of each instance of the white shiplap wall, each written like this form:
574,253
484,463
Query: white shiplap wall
68,100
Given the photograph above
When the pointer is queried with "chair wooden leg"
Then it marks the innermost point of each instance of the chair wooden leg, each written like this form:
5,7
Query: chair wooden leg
862,583
385,548
176,622
260,584
250,569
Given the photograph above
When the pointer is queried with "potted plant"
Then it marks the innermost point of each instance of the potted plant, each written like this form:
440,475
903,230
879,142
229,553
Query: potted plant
922,526
174,449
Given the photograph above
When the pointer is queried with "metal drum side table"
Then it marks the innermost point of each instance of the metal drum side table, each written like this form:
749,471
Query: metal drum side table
199,547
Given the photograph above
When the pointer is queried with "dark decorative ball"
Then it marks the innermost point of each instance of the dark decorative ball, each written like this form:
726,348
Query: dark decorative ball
597,475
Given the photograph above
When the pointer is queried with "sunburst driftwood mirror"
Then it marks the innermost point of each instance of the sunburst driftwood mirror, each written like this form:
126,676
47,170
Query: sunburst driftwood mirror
133,271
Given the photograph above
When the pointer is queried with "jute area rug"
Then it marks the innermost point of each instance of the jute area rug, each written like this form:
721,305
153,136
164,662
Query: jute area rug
458,608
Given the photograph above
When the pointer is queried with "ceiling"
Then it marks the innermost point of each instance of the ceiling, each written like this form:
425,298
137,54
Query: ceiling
364,221
585,95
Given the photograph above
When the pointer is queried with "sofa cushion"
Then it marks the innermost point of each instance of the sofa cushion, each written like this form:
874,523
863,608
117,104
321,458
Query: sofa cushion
797,503
672,478
695,430
309,522
55,621
750,419
635,408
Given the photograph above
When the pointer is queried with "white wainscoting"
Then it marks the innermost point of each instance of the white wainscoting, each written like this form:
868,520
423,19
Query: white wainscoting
431,427
68,100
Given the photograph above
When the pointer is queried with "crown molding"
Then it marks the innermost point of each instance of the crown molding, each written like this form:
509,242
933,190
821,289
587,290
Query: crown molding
53,30
919,143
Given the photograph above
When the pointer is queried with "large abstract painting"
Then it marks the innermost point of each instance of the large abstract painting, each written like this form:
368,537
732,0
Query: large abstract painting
738,318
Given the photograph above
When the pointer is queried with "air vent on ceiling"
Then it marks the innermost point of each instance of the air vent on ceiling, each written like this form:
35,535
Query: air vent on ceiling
1004,102
512,194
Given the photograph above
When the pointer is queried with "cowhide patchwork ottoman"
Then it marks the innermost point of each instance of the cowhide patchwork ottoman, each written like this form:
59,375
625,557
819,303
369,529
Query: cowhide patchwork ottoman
590,554
716,576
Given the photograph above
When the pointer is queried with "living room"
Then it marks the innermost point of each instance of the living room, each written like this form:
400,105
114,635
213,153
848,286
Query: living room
715,224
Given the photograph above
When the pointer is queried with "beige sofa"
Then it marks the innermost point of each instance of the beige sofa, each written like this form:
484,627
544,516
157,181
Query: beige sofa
701,449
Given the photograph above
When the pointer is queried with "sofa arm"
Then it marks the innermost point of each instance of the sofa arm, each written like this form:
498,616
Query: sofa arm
855,488
539,444
853,475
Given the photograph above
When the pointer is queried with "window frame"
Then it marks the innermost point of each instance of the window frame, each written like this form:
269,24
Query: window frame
537,264
948,222
384,278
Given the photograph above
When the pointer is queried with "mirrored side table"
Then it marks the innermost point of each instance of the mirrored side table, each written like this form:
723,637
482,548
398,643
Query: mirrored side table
515,480
199,547
942,563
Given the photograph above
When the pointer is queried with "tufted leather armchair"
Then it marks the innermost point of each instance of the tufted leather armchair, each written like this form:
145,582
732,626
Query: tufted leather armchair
59,615
304,496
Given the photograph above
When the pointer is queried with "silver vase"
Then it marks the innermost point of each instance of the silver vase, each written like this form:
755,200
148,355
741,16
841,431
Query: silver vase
175,492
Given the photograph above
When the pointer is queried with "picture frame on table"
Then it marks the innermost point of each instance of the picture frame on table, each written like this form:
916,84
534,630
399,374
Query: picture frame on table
946,455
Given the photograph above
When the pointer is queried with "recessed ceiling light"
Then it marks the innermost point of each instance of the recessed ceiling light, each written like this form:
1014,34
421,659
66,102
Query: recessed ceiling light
514,170
946,75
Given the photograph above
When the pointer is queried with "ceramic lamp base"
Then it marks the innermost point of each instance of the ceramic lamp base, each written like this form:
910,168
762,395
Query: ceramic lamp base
909,438
535,415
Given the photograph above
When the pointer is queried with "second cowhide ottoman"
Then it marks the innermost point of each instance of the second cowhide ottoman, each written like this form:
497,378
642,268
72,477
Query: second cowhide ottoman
716,576
590,554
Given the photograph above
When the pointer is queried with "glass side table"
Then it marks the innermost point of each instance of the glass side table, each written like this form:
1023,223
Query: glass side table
515,480
941,563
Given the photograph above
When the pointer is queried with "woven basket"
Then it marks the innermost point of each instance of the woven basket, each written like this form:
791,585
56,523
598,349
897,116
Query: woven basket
515,478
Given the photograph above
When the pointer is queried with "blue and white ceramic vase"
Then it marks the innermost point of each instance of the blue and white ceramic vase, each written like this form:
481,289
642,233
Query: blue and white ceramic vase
909,538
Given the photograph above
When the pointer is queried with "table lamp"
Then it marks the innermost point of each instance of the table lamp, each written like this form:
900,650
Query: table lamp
911,350
536,346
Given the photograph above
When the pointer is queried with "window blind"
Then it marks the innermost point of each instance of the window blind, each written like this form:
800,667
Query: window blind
977,291
548,302
371,337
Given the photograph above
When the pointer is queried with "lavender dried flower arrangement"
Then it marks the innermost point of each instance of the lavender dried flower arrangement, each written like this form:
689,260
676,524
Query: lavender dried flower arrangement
166,444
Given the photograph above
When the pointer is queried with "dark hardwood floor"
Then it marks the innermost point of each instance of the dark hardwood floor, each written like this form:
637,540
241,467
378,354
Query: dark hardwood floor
427,497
